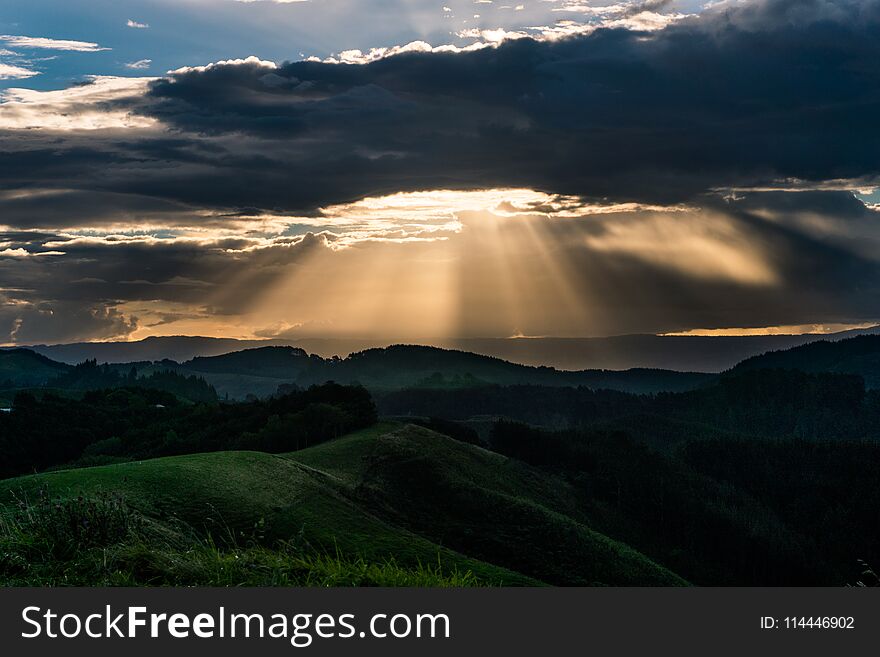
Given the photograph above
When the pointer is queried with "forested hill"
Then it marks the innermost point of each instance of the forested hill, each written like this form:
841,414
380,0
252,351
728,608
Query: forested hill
407,366
764,404
261,371
135,423
859,355
22,370
23,367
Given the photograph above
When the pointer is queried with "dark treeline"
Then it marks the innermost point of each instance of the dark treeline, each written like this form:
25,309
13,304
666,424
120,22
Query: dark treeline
829,491
136,423
859,355
749,512
539,405
761,403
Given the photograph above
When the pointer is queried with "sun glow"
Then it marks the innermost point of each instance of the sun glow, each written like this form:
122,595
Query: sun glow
490,262
426,264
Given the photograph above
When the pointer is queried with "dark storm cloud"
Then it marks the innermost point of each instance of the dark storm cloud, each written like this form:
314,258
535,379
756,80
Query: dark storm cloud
58,209
115,271
80,295
52,322
740,95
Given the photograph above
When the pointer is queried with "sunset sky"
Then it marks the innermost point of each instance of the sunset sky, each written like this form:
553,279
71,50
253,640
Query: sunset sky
402,169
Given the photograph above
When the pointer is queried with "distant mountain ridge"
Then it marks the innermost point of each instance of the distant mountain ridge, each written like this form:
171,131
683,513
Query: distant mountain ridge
407,366
262,369
680,353
178,348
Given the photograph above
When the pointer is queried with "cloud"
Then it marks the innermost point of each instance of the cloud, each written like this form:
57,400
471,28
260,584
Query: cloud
134,24
62,209
356,56
24,253
617,113
50,44
10,72
618,10
504,259
176,280
252,61
53,322
99,103
139,65
119,280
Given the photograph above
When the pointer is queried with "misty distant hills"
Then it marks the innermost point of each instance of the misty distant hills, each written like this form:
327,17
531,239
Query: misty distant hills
811,391
680,353
260,370
178,348
406,366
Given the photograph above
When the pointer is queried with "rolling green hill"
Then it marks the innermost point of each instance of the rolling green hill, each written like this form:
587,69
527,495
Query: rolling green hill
391,492
483,504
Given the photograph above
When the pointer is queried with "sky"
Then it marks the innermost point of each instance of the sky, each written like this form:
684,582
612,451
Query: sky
411,169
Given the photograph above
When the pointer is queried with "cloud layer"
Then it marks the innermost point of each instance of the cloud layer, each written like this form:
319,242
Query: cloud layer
696,175
45,43
742,95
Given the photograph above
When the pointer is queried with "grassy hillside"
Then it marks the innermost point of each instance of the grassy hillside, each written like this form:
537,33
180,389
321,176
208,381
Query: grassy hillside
482,504
349,499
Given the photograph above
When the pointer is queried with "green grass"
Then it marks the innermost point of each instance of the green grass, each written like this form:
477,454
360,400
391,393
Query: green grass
210,566
237,497
390,505
100,540
479,503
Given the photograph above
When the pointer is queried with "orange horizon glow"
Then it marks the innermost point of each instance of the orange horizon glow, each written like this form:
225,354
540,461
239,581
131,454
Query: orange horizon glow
795,329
